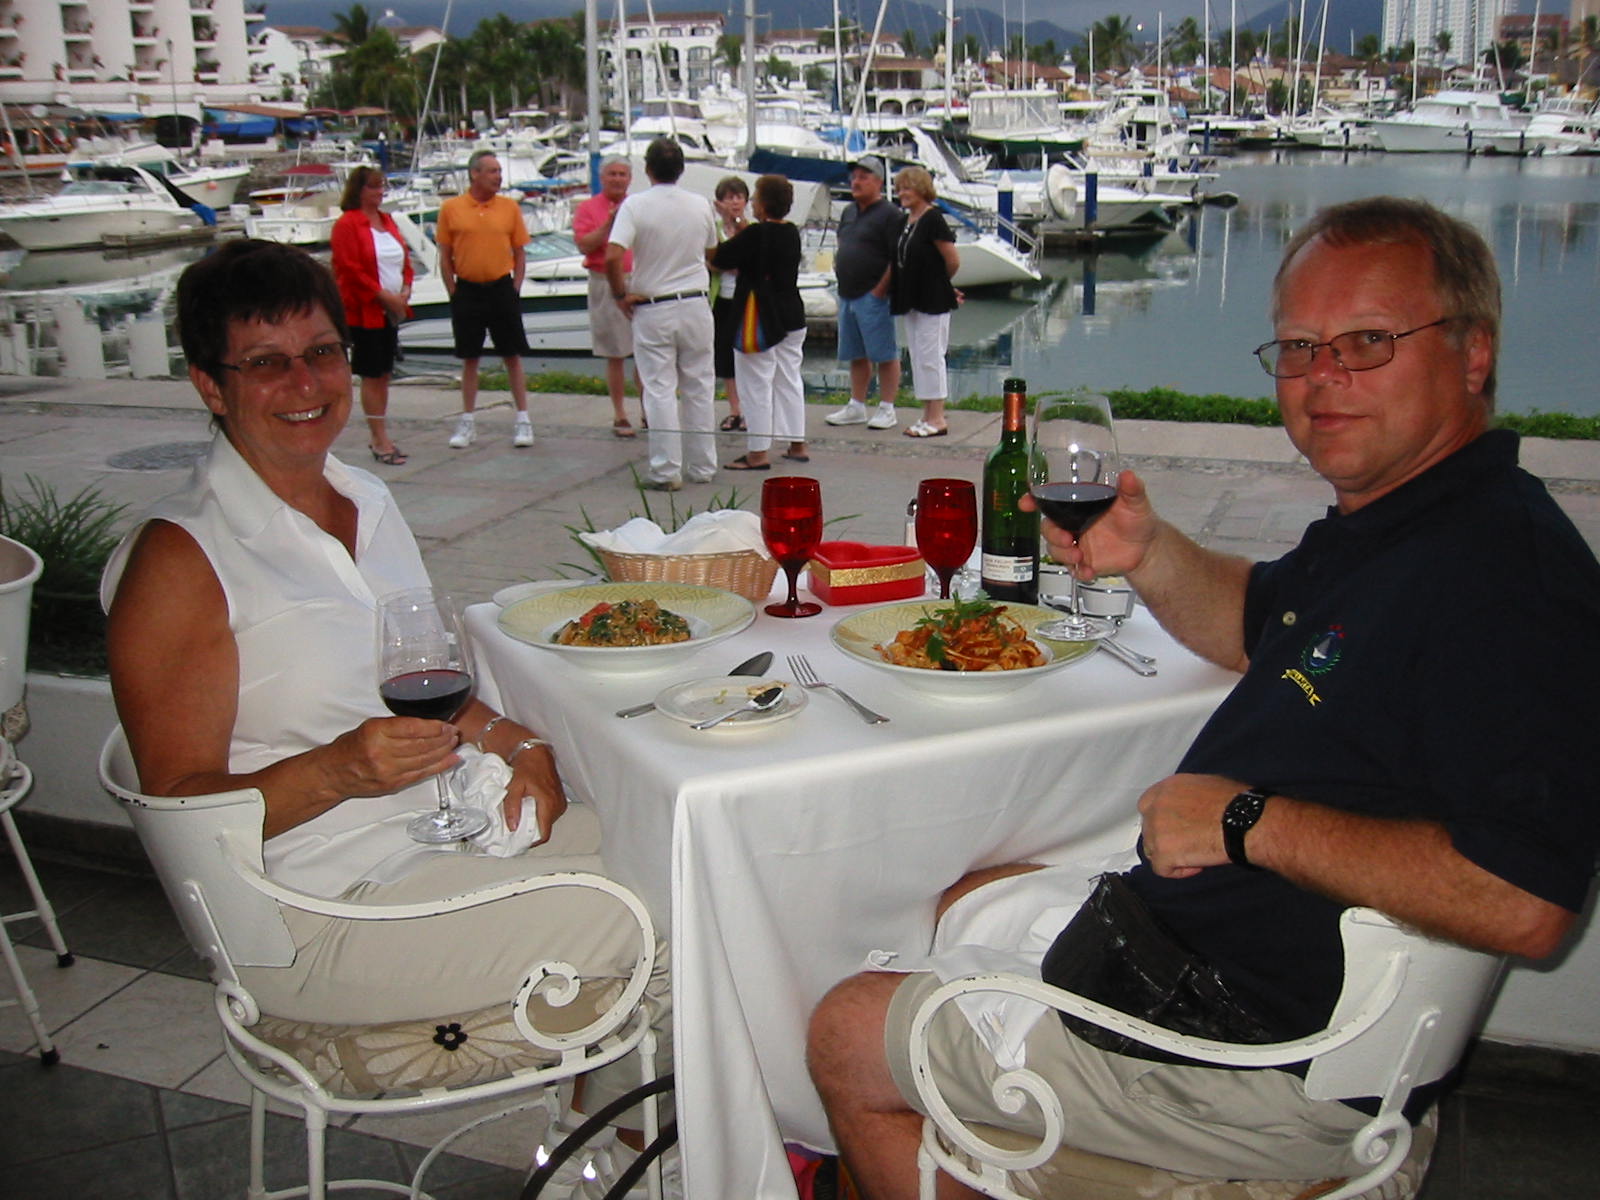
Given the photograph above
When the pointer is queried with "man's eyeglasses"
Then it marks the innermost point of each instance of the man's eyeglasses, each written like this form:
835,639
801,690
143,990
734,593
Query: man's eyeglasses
329,358
1358,350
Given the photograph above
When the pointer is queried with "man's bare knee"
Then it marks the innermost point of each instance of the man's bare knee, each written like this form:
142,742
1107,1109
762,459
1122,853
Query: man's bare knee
972,882
845,1039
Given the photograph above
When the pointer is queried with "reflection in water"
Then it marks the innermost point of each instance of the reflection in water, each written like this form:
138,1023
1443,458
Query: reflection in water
89,313
28,271
1179,310
1183,311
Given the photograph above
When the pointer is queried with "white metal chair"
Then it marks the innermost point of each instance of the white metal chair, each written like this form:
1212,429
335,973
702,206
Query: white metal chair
1406,1009
15,781
207,852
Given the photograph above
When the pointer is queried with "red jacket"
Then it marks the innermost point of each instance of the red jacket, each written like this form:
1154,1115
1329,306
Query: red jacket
355,266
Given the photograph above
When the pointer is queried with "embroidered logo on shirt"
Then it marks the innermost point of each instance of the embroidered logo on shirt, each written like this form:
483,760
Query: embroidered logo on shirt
1320,656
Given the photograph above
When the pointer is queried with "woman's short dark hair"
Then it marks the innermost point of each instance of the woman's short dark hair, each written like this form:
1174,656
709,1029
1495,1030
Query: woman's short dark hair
776,194
249,279
731,185
350,198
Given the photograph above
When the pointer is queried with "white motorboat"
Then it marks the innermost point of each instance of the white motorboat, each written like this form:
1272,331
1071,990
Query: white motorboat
100,201
302,210
988,260
1450,121
1117,208
212,184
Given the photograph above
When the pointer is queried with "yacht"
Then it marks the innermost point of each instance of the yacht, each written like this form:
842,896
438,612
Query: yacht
98,202
1451,121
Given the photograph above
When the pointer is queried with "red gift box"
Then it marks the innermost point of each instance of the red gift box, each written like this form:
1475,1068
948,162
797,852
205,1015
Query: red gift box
855,573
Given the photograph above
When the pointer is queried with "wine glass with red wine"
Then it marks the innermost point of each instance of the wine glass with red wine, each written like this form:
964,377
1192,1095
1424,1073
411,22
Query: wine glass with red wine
791,523
1075,481
947,526
425,670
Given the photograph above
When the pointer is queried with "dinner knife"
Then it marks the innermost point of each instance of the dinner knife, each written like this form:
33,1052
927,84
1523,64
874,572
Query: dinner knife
756,664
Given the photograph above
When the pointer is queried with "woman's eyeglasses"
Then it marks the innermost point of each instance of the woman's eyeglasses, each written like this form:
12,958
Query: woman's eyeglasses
330,358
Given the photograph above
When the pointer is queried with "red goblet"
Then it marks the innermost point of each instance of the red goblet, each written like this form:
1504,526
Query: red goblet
947,526
791,523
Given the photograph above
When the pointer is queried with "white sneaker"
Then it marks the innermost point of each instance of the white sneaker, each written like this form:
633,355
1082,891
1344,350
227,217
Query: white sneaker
466,432
617,1159
522,434
853,413
884,418
569,1177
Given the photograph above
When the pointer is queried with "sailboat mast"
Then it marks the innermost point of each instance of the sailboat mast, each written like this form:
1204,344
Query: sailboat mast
949,59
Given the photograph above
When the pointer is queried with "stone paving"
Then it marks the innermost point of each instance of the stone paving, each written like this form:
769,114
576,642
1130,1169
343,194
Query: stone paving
492,515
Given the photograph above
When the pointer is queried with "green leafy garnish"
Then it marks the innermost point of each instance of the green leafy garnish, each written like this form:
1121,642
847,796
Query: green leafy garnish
952,616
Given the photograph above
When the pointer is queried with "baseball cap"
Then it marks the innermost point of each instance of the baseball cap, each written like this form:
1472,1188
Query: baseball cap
871,163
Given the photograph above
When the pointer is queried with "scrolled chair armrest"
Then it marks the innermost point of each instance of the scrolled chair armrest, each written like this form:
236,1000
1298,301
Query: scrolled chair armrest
1014,1088
554,981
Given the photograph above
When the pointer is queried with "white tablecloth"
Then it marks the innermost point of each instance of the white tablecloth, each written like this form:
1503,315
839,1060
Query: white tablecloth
784,858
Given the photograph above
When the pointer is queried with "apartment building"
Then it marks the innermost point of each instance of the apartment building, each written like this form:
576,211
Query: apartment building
154,57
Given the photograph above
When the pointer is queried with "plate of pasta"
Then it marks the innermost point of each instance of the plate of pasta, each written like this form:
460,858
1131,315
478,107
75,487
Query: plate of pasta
959,648
627,626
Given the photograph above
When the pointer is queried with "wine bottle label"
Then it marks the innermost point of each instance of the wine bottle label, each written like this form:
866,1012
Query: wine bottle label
1002,568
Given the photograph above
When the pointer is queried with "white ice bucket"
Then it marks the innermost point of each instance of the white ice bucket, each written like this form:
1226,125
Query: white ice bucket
19,567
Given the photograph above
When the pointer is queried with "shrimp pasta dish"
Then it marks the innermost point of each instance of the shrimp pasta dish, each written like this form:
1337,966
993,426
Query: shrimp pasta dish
625,623
968,635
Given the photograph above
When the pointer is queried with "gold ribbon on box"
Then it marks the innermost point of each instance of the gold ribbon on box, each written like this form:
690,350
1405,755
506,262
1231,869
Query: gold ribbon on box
844,577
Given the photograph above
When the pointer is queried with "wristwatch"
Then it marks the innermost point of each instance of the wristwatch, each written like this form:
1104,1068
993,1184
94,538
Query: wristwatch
1238,819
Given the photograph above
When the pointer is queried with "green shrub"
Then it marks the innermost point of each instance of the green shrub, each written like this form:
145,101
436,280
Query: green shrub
74,537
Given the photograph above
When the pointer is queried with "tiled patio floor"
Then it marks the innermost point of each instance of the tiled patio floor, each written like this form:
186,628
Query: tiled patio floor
143,1107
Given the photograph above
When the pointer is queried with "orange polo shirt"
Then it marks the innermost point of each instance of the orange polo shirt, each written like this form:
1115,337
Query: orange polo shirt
481,236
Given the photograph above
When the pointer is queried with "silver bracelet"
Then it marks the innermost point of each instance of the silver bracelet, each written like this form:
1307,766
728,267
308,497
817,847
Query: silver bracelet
524,744
484,735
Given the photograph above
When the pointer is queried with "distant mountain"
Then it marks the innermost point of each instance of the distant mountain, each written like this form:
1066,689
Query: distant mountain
1062,20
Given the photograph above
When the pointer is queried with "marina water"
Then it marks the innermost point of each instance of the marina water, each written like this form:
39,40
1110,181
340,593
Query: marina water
1183,310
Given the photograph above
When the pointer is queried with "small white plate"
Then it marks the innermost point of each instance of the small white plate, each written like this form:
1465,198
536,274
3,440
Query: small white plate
701,699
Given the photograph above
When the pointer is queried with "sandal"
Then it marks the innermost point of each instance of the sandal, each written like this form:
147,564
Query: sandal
743,463
393,458
622,428
732,423
923,430
797,457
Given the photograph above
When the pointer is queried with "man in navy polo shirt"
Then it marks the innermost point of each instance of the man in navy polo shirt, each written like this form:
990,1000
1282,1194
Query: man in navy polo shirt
1400,738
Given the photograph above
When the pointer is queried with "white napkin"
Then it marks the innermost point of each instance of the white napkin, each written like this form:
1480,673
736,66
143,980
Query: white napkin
1008,926
480,781
720,532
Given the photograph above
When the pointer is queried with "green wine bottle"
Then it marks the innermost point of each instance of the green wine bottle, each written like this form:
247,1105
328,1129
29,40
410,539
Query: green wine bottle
1010,536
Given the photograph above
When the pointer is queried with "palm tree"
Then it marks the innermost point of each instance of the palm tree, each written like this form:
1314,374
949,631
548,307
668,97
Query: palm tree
1114,43
555,55
730,49
353,27
1442,41
1186,44
908,43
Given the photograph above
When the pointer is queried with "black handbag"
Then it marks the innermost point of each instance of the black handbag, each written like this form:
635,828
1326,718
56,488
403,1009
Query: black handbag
1117,953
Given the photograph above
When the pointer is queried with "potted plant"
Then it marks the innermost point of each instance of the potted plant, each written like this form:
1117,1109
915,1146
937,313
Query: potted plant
74,537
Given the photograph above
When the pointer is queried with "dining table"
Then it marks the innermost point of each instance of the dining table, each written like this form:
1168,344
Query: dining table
782,856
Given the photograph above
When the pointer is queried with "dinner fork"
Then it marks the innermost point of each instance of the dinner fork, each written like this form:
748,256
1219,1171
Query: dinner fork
807,678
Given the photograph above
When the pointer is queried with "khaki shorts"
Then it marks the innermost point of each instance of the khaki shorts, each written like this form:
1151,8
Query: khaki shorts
610,331
1214,1123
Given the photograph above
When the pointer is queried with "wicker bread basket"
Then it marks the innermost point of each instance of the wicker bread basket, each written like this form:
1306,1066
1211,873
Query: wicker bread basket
743,572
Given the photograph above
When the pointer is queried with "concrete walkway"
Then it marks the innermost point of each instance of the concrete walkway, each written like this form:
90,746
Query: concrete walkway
493,515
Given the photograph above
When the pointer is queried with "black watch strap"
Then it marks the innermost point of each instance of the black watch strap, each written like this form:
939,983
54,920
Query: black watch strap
1238,819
